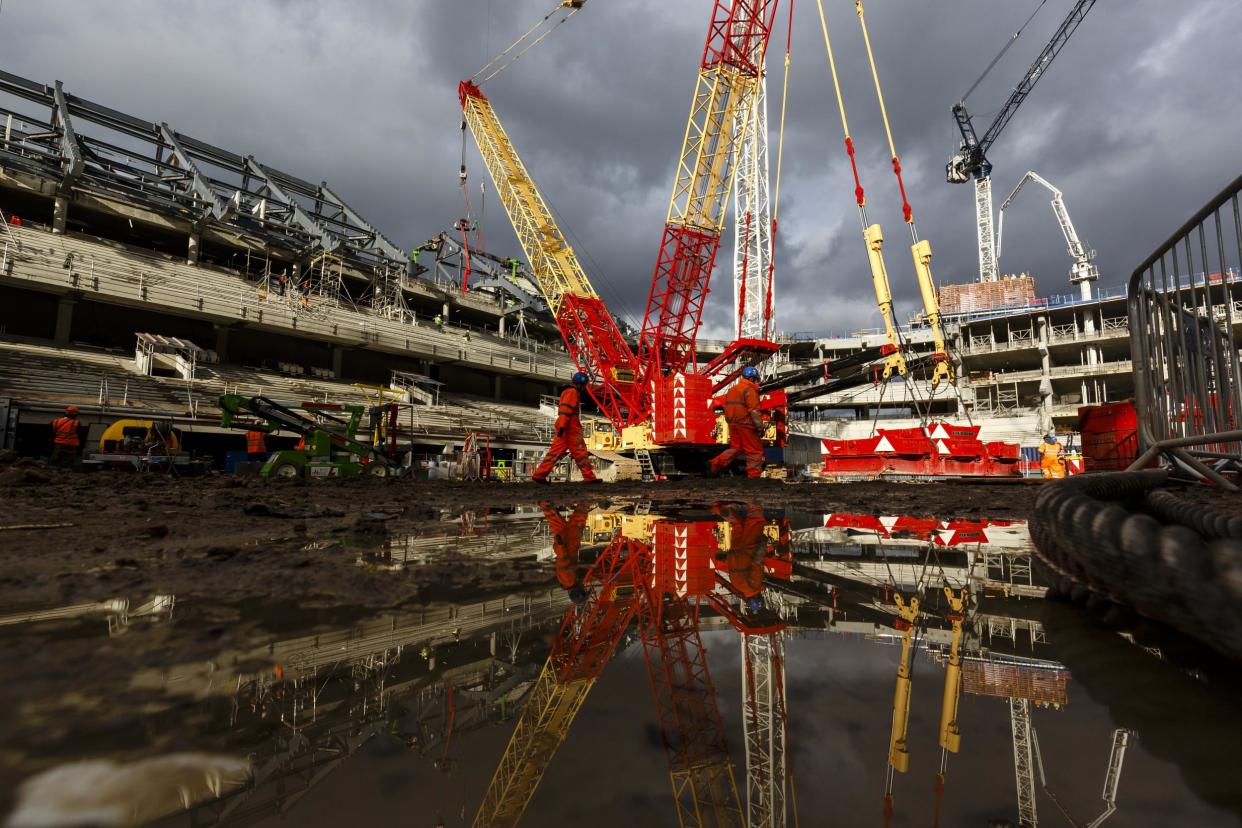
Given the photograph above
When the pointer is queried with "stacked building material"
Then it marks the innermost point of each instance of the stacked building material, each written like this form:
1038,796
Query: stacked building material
1007,292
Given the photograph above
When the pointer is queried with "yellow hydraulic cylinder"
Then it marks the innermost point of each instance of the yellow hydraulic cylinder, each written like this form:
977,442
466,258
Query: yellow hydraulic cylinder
921,250
874,237
950,734
898,750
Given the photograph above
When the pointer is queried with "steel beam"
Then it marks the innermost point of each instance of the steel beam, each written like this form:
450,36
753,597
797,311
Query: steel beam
72,160
377,242
327,242
216,207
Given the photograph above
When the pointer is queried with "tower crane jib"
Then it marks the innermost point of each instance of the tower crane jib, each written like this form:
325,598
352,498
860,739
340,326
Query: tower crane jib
970,161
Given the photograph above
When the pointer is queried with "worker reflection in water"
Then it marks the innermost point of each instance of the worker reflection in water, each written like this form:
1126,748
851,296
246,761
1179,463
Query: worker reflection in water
566,541
256,446
65,439
748,546
568,435
745,425
1052,458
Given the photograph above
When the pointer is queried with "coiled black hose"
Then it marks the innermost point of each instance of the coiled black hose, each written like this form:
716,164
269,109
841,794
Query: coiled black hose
1122,538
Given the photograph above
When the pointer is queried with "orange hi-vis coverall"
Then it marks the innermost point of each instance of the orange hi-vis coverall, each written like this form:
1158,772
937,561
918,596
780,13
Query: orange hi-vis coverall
65,432
745,425
568,438
748,546
256,443
1052,460
566,541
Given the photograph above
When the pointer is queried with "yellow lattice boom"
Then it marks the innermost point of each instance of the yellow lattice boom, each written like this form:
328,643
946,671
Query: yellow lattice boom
714,134
540,730
552,260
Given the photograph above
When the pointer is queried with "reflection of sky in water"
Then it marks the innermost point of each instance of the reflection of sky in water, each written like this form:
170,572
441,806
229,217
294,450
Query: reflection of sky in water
611,771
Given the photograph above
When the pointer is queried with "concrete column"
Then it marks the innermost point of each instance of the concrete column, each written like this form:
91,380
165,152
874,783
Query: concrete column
64,319
191,253
501,326
1045,382
444,311
222,342
60,214
497,385
338,360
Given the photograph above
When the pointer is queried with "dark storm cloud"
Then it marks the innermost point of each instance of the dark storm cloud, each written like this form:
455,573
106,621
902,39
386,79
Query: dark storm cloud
1137,122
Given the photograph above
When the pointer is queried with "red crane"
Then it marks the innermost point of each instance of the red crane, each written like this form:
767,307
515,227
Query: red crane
730,73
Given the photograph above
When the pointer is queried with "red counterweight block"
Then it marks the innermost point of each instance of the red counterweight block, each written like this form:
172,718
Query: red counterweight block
683,412
684,557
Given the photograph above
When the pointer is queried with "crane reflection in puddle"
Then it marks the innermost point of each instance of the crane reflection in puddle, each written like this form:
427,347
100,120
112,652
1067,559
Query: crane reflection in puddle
915,581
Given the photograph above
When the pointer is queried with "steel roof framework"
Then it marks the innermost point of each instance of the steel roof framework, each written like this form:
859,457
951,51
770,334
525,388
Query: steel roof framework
83,146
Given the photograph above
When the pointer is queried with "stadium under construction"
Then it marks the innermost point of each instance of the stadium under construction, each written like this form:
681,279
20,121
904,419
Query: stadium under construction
144,273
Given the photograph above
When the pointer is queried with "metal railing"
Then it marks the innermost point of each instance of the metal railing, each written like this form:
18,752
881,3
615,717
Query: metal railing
1186,372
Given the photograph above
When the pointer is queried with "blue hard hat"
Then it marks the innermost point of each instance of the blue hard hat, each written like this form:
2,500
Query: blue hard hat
754,604
581,378
750,372
578,594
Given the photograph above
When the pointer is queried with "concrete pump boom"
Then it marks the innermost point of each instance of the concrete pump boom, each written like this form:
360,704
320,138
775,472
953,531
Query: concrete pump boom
1083,272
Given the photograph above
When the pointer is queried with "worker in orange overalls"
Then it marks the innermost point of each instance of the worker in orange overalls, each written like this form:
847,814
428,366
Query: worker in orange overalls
748,546
1052,458
65,439
745,426
256,445
568,435
566,541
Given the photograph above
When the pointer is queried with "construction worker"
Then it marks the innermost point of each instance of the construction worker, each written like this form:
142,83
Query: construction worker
256,446
748,546
65,439
439,322
745,425
568,434
566,540
1052,458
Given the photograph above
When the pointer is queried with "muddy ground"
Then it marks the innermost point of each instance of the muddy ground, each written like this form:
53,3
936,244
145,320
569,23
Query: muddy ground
249,536
252,538
251,560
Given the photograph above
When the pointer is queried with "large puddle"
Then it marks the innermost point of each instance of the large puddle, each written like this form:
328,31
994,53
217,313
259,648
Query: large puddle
720,665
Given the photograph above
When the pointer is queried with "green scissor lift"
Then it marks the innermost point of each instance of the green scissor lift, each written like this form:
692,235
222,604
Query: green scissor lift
332,449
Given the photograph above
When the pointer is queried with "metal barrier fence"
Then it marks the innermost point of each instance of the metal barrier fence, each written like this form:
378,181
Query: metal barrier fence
1187,378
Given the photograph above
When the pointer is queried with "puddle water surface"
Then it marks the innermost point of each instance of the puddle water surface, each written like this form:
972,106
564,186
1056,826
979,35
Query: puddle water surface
721,665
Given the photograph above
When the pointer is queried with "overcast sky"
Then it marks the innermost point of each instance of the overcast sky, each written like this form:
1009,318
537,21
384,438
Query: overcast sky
1138,121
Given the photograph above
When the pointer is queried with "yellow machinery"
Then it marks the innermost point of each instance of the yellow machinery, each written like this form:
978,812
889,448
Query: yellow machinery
920,250
950,733
141,445
130,436
898,749
872,234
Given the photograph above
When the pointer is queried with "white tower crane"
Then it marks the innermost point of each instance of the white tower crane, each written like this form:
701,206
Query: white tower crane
763,677
752,226
1083,271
